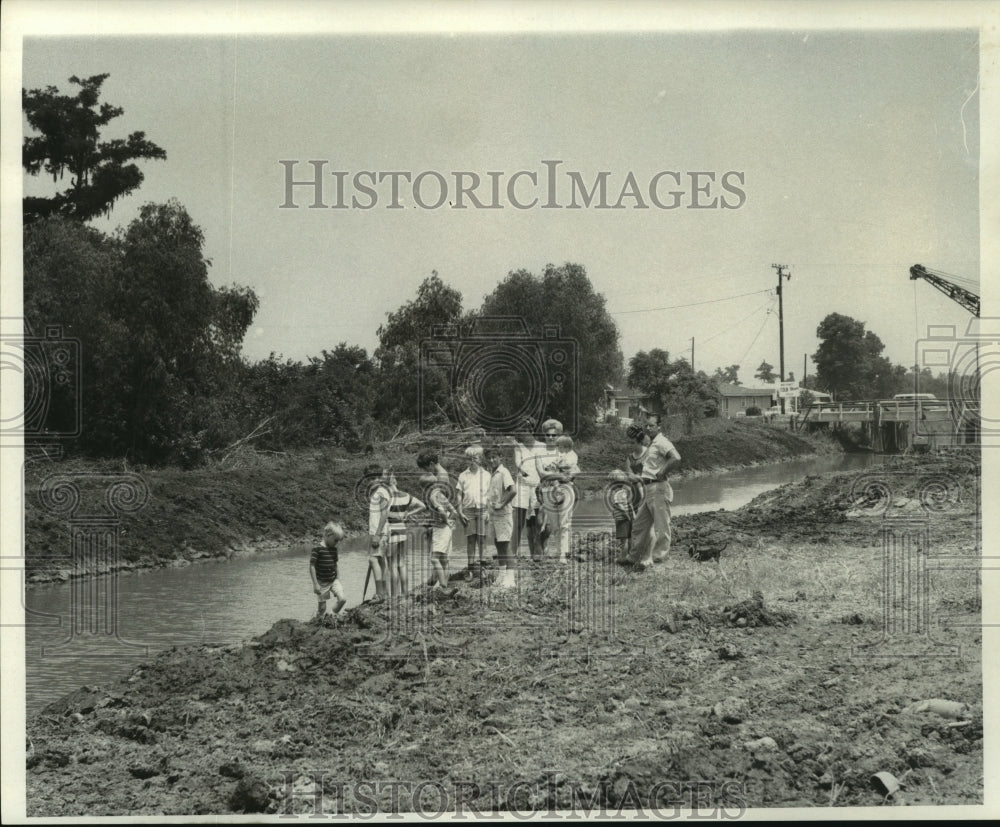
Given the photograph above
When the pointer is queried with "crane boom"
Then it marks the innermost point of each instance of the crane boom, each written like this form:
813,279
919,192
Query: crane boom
968,300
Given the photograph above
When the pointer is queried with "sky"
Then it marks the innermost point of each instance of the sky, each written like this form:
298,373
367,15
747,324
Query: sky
850,154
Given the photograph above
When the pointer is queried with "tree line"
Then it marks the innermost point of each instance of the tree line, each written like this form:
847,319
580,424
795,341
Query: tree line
162,378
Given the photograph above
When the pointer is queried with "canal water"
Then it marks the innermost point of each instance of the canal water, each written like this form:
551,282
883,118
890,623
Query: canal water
223,602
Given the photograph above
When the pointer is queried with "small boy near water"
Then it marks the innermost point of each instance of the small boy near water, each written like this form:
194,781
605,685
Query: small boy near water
323,569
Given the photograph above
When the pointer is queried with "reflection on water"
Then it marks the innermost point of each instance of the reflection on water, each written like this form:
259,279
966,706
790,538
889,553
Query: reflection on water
222,602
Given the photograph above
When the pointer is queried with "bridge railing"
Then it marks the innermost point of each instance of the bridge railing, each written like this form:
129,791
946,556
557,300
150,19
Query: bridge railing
881,409
914,408
838,408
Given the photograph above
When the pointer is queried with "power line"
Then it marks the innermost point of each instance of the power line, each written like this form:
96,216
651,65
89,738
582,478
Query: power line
699,280
755,338
691,304
765,306
768,306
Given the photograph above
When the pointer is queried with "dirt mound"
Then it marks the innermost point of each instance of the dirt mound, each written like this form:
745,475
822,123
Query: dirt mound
849,507
754,613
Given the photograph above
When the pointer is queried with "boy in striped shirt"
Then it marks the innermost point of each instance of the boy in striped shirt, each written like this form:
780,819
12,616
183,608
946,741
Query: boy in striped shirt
391,507
323,569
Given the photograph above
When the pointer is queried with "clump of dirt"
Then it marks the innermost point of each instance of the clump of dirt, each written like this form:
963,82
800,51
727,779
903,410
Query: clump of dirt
754,613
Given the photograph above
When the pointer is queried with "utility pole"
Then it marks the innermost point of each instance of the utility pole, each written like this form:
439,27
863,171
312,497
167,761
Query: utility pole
805,369
692,354
781,324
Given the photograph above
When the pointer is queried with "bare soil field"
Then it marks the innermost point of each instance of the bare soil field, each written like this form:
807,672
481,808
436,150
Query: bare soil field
789,672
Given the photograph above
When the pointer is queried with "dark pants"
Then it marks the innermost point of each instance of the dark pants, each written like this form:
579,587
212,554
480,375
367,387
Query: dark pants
521,519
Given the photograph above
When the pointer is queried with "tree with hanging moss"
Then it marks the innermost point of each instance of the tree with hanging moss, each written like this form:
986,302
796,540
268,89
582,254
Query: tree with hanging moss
69,141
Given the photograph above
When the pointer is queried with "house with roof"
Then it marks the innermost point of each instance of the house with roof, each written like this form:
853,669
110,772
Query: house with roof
735,399
625,405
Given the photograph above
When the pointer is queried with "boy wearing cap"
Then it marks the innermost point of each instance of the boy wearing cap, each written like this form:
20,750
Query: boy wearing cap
323,569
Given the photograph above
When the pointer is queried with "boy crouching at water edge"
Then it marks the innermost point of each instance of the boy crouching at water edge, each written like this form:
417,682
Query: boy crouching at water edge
323,569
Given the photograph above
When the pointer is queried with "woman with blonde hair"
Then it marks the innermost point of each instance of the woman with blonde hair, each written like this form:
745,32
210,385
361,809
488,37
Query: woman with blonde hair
555,489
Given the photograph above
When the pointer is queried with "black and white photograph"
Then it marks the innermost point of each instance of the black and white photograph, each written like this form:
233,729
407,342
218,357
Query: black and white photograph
506,411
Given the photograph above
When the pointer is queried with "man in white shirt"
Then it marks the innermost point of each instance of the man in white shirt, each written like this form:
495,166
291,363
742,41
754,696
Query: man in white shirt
654,513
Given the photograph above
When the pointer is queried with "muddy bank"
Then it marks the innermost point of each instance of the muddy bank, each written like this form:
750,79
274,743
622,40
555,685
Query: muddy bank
266,503
762,679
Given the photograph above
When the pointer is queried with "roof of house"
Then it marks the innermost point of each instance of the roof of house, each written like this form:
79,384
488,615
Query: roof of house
627,393
729,389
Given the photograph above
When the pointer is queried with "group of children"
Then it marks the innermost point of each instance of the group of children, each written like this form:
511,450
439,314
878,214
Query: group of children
485,493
